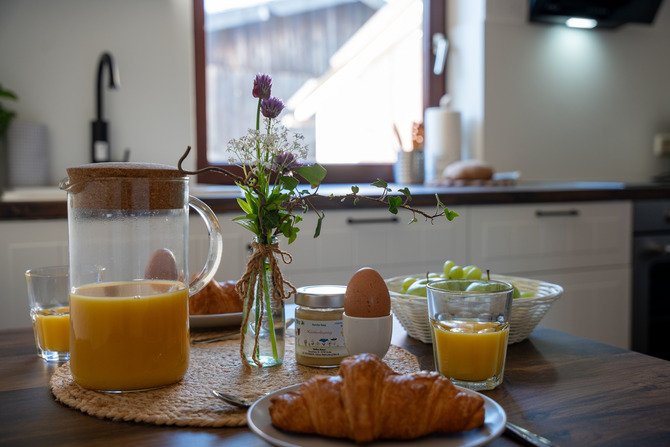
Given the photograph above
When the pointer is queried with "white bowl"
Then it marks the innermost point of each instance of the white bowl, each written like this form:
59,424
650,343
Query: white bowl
412,311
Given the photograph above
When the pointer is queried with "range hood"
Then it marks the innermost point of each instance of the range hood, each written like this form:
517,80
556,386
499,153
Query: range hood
597,13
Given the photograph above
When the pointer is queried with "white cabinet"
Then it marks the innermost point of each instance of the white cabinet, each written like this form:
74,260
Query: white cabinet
596,303
349,240
24,245
355,238
585,247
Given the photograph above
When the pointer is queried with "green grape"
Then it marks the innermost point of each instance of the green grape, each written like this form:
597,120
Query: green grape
472,272
482,287
406,283
456,272
447,266
418,288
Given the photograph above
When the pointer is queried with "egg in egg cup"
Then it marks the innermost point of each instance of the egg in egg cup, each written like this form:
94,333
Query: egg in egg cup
367,321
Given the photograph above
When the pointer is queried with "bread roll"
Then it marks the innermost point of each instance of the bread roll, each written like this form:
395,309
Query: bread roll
468,170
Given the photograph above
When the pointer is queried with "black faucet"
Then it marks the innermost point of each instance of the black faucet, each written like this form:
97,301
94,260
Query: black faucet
100,150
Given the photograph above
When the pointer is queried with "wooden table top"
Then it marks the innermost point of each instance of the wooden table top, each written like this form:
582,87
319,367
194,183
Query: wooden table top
574,391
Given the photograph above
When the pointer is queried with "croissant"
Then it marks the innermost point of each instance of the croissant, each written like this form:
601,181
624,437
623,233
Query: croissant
369,401
216,298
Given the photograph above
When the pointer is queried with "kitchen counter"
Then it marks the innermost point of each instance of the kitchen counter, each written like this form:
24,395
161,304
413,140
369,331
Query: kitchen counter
50,203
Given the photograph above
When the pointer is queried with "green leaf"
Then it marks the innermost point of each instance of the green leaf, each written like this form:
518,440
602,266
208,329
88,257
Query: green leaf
7,93
414,219
293,234
381,184
394,203
314,174
285,228
248,225
354,189
244,205
251,217
406,193
317,230
252,202
289,182
451,214
270,220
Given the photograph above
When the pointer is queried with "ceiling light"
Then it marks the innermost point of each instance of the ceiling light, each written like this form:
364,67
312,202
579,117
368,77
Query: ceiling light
579,22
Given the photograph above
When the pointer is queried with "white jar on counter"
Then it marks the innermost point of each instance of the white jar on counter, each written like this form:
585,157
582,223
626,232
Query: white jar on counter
319,339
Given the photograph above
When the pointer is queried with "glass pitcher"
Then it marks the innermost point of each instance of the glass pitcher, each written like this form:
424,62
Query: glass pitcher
131,331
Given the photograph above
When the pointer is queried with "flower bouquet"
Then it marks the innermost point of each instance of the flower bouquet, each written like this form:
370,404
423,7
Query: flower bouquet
273,182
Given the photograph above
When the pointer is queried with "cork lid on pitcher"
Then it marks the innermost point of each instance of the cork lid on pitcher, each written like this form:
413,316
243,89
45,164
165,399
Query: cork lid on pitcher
126,186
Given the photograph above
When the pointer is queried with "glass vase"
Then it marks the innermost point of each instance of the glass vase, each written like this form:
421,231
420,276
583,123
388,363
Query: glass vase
264,331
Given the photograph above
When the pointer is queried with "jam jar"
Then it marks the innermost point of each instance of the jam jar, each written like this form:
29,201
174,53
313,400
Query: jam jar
319,339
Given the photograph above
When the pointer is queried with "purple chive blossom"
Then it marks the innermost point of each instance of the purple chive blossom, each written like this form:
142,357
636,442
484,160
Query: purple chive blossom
262,86
285,162
271,107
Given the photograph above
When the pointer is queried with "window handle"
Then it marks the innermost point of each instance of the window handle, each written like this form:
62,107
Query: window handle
440,50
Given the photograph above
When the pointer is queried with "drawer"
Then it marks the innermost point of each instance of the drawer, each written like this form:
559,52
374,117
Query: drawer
353,239
532,237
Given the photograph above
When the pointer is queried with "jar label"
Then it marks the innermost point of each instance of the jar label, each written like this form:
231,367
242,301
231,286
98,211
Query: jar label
319,338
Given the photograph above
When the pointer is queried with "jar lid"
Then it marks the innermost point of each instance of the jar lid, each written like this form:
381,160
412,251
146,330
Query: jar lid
321,296
93,171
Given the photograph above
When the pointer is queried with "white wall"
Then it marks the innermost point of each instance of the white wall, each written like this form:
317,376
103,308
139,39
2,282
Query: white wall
49,52
562,104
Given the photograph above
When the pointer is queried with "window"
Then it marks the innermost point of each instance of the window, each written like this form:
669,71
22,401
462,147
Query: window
347,70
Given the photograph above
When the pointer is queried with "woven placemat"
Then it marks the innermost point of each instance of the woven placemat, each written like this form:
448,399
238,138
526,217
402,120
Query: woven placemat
190,402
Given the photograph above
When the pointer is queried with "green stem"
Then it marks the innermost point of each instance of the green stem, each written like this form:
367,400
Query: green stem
266,288
258,126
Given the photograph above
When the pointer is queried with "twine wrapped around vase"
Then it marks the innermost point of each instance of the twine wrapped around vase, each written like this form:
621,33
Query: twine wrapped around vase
247,285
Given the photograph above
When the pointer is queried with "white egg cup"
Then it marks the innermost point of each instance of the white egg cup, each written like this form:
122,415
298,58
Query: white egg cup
367,335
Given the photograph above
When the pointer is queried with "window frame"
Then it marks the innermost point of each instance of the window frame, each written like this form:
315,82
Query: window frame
434,19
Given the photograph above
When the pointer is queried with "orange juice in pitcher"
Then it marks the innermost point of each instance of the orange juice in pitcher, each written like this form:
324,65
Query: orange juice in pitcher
129,335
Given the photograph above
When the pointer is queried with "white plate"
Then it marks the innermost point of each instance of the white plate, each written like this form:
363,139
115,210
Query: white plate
215,320
259,421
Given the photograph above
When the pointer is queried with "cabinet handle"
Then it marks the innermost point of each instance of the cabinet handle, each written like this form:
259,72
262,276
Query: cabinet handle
558,213
372,220
653,249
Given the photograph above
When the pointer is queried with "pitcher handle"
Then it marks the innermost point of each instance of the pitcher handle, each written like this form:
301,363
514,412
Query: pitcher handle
215,245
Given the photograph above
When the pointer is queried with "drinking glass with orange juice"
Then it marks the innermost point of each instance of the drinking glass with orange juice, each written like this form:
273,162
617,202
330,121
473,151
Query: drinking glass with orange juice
131,332
48,290
470,327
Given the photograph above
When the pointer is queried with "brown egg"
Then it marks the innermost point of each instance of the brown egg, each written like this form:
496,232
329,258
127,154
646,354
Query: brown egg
367,295
162,265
